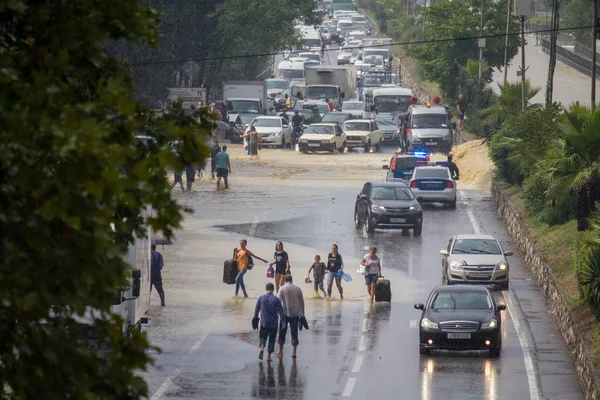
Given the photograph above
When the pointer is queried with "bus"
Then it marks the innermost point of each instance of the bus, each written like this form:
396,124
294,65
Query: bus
391,100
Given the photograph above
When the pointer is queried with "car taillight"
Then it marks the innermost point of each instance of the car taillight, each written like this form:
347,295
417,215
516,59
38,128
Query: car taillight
449,185
394,164
409,131
413,184
427,158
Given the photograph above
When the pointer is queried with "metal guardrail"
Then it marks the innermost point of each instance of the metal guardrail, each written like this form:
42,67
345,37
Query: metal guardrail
570,58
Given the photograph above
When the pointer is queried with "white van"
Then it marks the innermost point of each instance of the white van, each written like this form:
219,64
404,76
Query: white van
290,70
344,25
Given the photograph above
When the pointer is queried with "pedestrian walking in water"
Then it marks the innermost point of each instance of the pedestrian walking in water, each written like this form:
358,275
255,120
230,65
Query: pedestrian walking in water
241,256
282,265
178,178
246,139
318,270
223,167
156,265
335,263
190,175
269,306
373,264
214,150
293,306
255,140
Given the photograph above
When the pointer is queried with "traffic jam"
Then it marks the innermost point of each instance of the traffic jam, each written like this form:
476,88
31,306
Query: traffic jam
340,92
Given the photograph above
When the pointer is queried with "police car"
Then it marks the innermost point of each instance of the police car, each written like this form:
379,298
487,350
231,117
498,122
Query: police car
402,165
432,182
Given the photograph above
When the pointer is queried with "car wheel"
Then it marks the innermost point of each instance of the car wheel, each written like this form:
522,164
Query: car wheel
304,151
368,147
495,352
378,146
357,222
369,225
343,148
424,351
417,230
453,204
333,148
282,142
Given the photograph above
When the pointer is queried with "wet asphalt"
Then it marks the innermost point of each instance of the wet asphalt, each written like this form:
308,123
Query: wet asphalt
352,350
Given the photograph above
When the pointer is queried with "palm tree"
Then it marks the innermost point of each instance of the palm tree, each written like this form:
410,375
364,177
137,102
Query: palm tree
573,164
507,103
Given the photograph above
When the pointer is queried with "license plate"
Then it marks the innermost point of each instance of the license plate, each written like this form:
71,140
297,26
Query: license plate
314,145
398,220
479,275
459,336
430,143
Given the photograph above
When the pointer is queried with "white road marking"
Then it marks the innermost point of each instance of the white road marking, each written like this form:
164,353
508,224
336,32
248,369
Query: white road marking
165,385
167,382
364,325
413,324
253,227
532,378
362,345
357,363
531,375
349,387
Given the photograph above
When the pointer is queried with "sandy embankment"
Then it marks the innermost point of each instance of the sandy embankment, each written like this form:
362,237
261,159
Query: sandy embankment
474,164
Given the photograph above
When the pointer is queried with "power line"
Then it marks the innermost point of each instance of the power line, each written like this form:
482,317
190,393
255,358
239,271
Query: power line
498,35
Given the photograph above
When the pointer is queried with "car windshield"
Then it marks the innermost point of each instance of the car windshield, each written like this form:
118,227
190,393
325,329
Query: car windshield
352,106
373,61
322,108
250,106
314,57
391,193
404,163
319,129
321,92
373,80
357,126
334,117
435,173
382,53
429,121
385,120
454,300
391,103
476,246
267,123
244,119
290,73
277,85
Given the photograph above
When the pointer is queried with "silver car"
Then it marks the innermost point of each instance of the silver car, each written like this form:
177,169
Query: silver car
475,259
433,183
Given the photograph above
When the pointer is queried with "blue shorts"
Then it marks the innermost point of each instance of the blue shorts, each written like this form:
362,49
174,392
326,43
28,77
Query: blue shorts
371,279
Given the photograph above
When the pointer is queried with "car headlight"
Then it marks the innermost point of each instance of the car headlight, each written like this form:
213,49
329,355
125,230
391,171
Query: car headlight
277,133
377,208
415,208
491,324
456,265
302,141
428,324
502,266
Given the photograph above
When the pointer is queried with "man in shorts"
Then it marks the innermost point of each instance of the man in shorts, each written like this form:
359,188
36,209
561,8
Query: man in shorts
223,167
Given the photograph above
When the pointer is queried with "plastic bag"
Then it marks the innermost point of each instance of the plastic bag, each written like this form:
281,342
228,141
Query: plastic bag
270,272
362,270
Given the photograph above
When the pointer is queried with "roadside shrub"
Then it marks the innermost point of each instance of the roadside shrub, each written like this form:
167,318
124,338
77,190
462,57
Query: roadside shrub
580,257
500,151
588,277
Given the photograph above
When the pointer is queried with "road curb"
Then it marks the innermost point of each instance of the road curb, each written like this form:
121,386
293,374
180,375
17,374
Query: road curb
557,300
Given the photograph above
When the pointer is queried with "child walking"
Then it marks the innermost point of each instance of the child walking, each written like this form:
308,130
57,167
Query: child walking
318,269
178,174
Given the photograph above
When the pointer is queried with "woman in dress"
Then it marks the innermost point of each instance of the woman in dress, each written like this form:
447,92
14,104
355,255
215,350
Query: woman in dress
241,256
373,265
282,265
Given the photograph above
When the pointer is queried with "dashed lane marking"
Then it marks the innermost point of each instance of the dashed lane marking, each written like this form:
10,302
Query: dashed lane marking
532,378
357,363
349,387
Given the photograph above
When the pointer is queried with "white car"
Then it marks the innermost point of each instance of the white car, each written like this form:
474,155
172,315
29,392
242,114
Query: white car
344,56
275,131
353,107
433,183
363,133
322,137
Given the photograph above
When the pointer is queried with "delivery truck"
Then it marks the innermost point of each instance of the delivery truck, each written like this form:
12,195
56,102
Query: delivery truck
245,97
335,82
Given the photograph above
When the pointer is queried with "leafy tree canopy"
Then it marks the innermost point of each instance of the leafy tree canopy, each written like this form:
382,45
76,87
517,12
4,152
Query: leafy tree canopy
70,167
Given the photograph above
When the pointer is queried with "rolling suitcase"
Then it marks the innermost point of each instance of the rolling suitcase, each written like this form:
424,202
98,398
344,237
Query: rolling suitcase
230,271
383,290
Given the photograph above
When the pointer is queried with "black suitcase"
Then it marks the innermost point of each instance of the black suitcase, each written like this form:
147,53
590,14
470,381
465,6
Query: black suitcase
230,271
383,290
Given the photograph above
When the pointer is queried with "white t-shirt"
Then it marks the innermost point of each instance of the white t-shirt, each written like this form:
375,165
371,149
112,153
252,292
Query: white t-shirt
372,264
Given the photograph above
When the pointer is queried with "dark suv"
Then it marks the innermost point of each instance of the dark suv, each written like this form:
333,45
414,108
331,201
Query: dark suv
387,205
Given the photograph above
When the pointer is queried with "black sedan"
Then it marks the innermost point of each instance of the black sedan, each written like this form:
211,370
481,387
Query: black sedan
460,317
387,205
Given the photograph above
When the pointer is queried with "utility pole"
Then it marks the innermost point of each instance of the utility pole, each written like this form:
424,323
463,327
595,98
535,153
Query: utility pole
506,41
555,23
481,44
594,38
522,18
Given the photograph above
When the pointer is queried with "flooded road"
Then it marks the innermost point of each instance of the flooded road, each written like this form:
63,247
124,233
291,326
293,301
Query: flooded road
352,349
